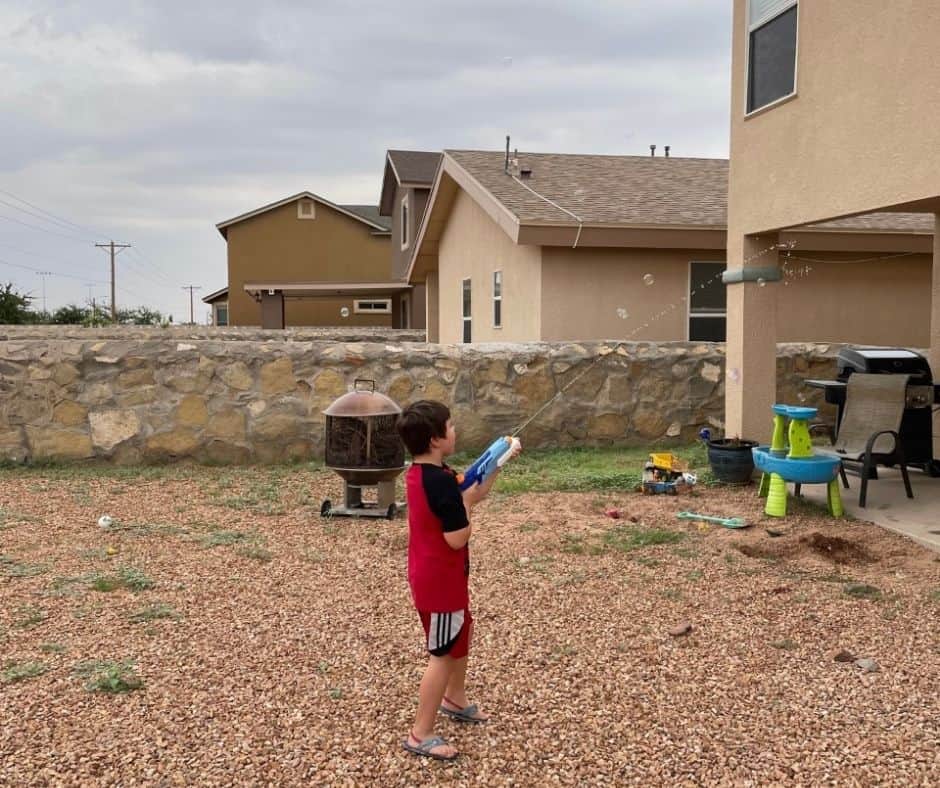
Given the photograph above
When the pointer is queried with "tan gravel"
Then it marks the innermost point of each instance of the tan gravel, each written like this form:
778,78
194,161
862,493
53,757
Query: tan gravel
302,669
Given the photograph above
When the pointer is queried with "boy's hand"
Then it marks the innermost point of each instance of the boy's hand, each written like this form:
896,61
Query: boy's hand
516,449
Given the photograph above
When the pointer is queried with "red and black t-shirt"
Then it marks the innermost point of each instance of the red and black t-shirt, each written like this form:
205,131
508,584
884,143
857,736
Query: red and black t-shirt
436,572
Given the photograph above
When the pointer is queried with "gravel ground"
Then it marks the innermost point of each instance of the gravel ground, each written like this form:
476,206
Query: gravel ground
281,649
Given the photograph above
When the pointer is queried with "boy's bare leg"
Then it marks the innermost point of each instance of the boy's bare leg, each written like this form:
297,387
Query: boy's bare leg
430,695
456,692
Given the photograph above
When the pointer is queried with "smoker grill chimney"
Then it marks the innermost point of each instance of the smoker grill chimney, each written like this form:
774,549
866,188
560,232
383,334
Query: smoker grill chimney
652,150
667,151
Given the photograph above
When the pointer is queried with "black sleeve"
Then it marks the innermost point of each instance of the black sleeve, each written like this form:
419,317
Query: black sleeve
444,498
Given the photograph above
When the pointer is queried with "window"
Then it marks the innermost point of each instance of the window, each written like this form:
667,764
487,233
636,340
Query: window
306,209
465,288
707,302
771,51
375,306
404,223
497,299
221,314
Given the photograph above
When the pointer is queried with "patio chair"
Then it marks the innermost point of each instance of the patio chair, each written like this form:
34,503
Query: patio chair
871,422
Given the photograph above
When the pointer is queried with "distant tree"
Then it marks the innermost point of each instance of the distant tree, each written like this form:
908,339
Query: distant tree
139,316
39,317
97,316
72,314
14,306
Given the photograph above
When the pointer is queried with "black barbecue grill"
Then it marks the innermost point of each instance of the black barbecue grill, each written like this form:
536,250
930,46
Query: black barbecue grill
916,433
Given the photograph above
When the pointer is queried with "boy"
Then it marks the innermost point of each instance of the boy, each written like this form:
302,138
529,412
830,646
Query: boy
438,568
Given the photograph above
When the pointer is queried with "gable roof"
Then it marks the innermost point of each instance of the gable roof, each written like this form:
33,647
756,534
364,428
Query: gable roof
360,213
216,295
406,168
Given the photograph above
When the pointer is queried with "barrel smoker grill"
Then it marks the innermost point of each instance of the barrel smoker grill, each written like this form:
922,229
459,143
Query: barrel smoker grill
916,434
364,448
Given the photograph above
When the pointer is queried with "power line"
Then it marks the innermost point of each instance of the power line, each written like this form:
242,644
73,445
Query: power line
44,229
49,214
57,224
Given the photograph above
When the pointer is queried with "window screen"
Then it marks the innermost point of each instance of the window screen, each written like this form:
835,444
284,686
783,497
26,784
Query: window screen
497,299
465,287
772,60
707,302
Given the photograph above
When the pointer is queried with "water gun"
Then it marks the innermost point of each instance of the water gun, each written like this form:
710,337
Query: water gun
496,455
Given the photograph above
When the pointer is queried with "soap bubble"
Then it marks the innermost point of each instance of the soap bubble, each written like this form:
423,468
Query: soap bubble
734,375
648,279
344,312
622,313
801,397
507,62
761,282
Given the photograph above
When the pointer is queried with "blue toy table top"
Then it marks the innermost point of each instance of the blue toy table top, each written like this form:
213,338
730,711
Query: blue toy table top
797,412
817,469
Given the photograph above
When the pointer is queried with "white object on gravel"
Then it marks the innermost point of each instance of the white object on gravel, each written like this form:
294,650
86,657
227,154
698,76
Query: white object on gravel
105,521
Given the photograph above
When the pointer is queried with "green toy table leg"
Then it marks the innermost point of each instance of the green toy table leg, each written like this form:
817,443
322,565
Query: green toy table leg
779,441
834,498
777,497
801,444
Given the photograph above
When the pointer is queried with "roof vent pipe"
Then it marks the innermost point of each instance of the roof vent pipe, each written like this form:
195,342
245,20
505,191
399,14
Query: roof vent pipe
506,165
652,150
667,151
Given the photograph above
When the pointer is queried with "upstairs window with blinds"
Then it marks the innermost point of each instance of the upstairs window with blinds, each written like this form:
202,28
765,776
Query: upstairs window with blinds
771,51
467,310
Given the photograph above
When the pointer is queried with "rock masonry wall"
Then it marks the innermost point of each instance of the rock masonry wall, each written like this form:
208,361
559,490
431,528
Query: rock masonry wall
244,396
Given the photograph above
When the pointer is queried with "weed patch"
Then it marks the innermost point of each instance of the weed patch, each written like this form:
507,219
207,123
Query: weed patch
31,617
256,553
52,648
20,671
153,612
625,539
224,538
10,567
863,591
125,578
109,677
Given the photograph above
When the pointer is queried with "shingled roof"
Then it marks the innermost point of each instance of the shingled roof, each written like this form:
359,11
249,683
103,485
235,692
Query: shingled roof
415,166
406,168
637,191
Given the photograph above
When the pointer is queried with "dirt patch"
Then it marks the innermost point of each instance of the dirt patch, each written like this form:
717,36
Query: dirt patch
837,550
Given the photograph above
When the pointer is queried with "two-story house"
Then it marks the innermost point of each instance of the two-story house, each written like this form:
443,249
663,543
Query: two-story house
831,116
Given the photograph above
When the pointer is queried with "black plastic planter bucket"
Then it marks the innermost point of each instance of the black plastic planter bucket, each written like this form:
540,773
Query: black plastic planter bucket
731,460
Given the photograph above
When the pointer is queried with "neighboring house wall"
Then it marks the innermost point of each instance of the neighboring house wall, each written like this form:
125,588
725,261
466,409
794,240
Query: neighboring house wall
277,246
583,289
473,246
417,201
858,135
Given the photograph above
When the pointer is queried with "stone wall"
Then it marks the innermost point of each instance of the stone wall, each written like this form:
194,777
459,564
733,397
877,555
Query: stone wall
233,400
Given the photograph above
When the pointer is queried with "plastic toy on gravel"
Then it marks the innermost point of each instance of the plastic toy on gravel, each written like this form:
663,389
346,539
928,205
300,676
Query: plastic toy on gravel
798,464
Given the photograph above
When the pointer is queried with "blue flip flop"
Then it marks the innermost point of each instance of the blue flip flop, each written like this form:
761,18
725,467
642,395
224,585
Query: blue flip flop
466,714
425,747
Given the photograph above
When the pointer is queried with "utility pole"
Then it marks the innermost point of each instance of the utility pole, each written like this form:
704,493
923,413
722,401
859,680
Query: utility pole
191,288
120,248
44,274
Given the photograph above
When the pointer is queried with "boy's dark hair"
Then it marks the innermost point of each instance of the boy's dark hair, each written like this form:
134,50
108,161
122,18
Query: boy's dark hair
420,421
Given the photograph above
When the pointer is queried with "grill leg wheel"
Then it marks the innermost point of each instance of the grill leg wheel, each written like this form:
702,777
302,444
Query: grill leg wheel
326,509
392,511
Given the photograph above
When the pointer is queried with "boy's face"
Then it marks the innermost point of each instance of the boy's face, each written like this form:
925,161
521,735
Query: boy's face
447,444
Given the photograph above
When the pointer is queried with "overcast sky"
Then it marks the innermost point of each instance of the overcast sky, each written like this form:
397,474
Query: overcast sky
149,122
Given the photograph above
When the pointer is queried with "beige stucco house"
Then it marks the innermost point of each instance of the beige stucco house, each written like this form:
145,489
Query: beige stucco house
831,116
406,186
568,247
305,261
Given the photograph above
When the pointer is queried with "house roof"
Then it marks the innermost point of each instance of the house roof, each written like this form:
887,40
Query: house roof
215,296
406,168
362,213
612,201
634,190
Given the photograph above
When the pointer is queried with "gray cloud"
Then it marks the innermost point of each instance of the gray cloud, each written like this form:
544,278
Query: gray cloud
153,120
